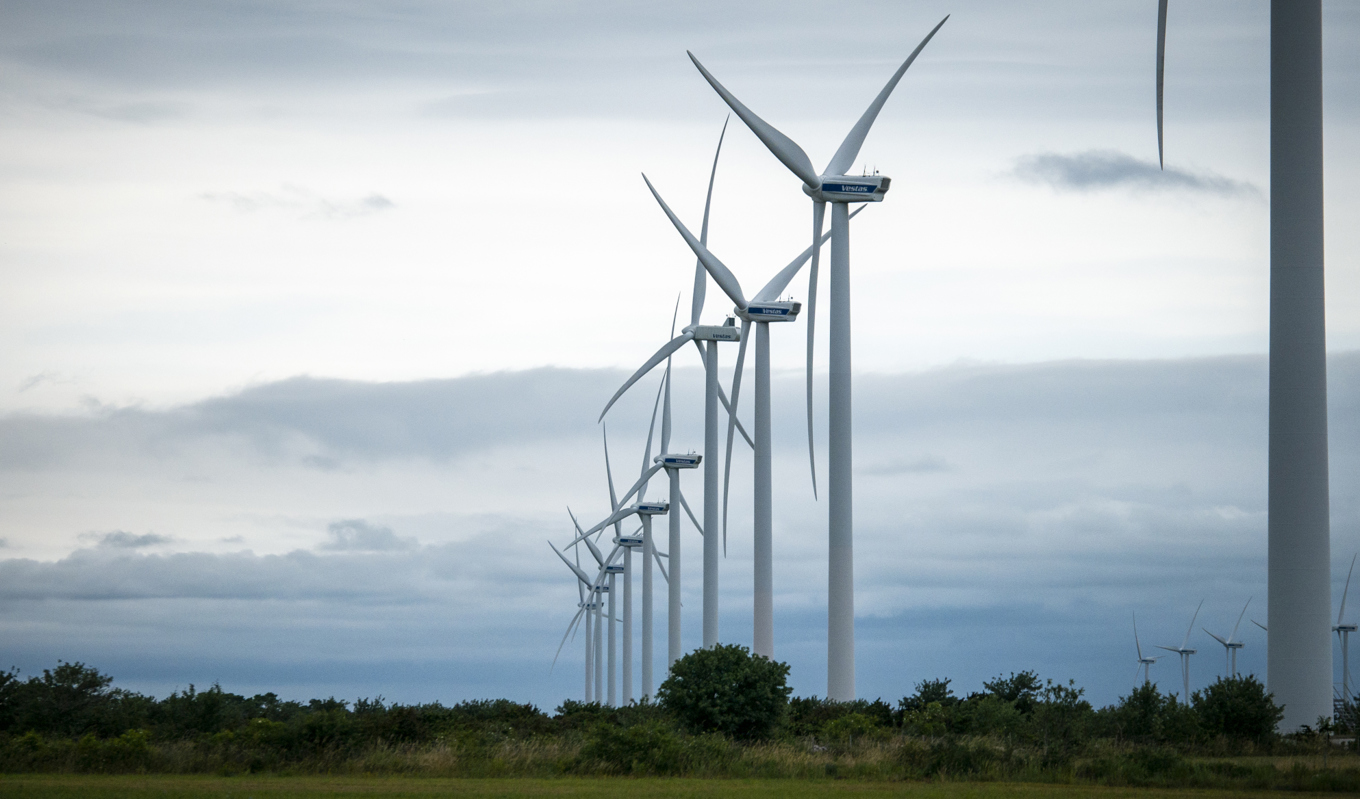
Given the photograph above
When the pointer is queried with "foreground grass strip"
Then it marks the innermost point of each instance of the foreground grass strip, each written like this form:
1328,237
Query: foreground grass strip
59,786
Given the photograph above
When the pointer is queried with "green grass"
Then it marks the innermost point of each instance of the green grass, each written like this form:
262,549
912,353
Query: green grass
54,786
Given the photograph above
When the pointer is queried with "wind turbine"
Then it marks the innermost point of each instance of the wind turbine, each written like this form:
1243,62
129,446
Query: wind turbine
1343,631
1185,653
835,187
1299,654
589,612
1144,662
1230,646
763,309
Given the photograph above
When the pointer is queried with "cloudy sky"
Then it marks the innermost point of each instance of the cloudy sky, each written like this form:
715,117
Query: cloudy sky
309,309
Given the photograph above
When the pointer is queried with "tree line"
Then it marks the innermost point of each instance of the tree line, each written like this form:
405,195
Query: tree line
722,711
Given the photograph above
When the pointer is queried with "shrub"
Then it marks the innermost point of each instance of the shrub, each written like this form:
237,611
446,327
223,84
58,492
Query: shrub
1238,708
727,690
647,748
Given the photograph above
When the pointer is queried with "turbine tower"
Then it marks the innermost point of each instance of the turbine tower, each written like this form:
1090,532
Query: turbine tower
1144,662
763,309
1185,654
1230,646
1298,655
835,187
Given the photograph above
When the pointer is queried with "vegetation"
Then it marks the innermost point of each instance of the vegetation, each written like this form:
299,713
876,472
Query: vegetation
722,714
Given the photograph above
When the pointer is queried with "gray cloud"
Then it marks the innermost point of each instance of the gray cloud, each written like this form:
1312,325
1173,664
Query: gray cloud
357,535
121,539
303,202
1013,518
1095,170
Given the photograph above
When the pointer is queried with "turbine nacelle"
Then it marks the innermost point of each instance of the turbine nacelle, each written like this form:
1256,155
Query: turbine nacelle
770,311
1345,628
714,332
652,508
614,568
629,541
690,461
849,189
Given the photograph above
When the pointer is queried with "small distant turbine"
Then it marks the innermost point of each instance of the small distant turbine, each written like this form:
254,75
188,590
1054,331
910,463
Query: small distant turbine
1144,662
1185,652
1230,646
1343,631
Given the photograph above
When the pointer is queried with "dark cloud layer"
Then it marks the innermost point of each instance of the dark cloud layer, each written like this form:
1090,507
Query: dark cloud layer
1007,517
1095,170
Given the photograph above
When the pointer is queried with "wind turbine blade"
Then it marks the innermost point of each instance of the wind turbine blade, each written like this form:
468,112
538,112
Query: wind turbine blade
1168,648
609,473
1137,669
594,551
1192,625
1347,589
1239,620
661,355
1136,644
722,398
1216,638
780,281
657,557
666,413
732,423
849,149
1161,73
580,574
700,278
651,428
721,274
570,627
685,505
1262,626
818,214
785,149
647,475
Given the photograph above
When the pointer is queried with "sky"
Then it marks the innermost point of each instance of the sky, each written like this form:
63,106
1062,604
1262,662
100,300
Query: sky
309,309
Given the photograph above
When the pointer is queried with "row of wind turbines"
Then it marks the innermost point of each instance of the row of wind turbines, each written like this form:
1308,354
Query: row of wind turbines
600,610
1231,644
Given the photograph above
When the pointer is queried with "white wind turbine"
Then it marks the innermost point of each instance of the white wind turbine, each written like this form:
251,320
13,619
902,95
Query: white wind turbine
588,613
713,395
1144,662
1230,646
763,309
835,187
1185,653
1343,631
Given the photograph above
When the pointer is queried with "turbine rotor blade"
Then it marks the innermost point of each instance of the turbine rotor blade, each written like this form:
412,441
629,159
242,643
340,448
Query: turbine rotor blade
1216,638
722,399
849,149
818,216
1161,74
785,149
700,278
651,428
721,274
1239,619
780,281
732,423
1347,590
580,574
570,627
685,505
1135,637
661,355
1186,643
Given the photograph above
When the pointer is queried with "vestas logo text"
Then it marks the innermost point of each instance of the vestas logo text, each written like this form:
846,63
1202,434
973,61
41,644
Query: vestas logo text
847,188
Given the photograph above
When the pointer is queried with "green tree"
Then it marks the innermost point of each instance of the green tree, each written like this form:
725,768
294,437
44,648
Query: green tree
728,690
1238,707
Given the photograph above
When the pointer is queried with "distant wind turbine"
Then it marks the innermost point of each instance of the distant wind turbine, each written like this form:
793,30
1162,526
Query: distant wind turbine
1230,646
1185,652
1343,631
1144,662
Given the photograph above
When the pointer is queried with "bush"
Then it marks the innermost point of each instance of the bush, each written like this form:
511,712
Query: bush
727,690
1238,708
648,748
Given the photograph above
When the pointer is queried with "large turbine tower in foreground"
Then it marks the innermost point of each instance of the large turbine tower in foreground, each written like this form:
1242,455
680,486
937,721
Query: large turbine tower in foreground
836,187
1299,649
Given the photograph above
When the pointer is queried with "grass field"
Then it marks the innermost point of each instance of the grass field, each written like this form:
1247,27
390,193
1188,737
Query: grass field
171,787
